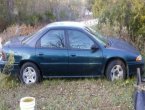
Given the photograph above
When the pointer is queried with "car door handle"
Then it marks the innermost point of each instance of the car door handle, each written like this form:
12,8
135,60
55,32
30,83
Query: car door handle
40,54
73,55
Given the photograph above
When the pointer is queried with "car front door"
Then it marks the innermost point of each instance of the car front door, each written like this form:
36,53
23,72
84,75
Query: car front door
52,54
83,61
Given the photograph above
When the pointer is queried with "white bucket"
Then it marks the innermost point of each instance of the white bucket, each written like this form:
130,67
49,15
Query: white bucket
27,103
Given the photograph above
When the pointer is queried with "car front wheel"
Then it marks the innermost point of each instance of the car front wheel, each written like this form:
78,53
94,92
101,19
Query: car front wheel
116,70
29,73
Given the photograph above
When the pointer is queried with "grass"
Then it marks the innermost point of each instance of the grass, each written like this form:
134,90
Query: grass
71,94
3,106
7,81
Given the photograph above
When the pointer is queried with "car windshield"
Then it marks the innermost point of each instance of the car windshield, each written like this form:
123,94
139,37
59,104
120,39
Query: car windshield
98,36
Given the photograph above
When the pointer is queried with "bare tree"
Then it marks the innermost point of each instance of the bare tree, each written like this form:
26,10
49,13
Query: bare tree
10,8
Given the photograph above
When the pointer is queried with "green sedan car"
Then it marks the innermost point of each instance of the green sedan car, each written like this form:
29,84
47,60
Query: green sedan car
70,49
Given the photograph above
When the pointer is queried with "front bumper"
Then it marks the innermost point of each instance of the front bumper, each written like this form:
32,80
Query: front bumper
13,70
132,67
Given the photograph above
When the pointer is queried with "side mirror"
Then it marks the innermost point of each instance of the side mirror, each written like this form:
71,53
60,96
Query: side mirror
94,47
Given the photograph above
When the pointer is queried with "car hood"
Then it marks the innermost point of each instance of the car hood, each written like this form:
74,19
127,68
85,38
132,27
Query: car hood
122,45
15,41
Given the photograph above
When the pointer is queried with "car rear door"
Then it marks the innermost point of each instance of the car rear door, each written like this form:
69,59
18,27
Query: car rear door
83,61
52,54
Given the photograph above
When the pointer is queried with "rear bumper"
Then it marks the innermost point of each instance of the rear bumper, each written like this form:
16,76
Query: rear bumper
13,70
132,67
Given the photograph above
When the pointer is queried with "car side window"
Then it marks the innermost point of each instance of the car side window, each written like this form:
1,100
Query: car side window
79,40
53,39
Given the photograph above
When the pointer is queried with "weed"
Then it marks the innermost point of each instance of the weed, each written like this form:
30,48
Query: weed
3,105
7,81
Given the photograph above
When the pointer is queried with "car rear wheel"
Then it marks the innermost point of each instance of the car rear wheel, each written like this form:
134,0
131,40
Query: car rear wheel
116,70
29,73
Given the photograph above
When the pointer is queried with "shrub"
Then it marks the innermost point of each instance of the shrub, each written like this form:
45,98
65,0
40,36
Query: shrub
49,16
128,15
7,81
9,66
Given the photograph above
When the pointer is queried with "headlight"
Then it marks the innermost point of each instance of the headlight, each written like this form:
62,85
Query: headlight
139,58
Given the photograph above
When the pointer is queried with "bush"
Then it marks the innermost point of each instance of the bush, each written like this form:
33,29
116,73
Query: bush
128,15
7,81
49,16
9,66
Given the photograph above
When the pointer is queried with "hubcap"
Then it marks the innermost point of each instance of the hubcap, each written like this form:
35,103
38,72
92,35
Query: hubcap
29,75
117,72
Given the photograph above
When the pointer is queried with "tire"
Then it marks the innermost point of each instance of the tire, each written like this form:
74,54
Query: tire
116,70
29,74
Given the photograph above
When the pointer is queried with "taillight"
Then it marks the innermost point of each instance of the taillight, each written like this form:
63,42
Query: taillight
3,56
0,56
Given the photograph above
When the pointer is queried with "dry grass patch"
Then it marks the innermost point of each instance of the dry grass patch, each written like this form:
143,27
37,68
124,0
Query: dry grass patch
74,94
19,30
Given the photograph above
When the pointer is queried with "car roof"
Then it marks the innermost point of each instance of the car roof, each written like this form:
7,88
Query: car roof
54,25
65,24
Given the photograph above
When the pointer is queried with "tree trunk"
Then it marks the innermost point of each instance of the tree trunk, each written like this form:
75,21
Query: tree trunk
10,9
